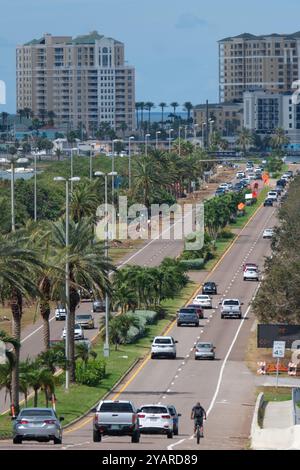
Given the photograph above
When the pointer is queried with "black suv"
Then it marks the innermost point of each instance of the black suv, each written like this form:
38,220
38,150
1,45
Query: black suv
209,288
268,202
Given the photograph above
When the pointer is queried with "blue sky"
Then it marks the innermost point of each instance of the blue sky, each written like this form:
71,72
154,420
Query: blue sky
172,43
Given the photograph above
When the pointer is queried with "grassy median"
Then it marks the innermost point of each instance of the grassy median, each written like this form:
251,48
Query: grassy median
80,398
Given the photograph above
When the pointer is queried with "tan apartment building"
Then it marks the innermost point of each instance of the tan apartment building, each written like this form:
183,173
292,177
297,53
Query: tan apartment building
82,80
247,62
227,117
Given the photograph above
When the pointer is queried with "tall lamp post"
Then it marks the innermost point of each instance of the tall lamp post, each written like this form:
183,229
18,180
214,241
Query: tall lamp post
157,133
91,164
129,161
179,139
203,125
74,149
146,143
185,132
113,168
106,342
211,122
67,277
170,132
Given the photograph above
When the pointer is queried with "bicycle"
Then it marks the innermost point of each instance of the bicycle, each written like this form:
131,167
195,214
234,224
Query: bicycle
199,434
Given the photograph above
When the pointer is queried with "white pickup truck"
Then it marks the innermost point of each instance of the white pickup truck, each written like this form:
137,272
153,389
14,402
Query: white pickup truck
116,418
231,308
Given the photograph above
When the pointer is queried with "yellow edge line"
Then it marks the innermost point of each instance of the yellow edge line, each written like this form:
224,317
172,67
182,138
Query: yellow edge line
116,396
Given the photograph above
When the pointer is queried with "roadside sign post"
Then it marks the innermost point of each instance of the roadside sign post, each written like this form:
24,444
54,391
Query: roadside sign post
278,352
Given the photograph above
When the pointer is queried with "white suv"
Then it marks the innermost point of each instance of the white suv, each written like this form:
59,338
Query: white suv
163,346
155,419
251,274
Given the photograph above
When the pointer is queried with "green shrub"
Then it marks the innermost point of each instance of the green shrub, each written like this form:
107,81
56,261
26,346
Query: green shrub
150,316
193,264
90,373
134,334
226,234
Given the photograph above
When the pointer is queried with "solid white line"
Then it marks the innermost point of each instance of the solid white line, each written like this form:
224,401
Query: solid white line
35,331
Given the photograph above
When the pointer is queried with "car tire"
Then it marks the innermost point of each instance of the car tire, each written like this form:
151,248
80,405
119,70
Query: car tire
174,356
152,356
222,316
17,440
96,436
170,435
135,438
197,325
178,324
57,440
240,317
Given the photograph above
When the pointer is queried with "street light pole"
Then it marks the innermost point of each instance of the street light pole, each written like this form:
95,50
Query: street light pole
170,131
179,138
91,165
146,143
12,186
211,121
185,132
129,161
67,279
156,142
35,192
203,125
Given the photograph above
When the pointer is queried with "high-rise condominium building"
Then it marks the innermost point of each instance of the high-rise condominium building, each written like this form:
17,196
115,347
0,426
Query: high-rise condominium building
246,62
82,80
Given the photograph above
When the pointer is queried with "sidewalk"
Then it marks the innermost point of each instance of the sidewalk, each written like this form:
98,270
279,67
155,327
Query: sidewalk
278,415
265,381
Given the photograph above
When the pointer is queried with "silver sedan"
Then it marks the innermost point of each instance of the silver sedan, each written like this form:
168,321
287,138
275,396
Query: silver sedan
37,424
204,351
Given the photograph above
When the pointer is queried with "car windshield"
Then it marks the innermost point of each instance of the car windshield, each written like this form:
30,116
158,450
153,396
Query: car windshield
116,408
37,412
204,346
77,327
231,302
158,410
163,341
202,297
187,311
83,317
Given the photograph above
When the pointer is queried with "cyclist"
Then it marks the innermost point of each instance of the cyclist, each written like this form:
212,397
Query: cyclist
198,413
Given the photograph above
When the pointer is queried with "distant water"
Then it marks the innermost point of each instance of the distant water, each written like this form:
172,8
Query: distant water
7,176
291,159
156,116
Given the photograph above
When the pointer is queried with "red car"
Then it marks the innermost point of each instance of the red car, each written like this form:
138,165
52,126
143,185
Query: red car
198,309
249,265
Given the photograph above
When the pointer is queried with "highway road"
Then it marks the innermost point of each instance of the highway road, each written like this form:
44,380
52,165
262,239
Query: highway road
225,387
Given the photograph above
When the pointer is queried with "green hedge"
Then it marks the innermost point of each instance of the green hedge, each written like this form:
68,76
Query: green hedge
144,317
90,373
192,264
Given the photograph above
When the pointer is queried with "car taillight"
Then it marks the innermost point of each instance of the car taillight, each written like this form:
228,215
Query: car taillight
166,416
133,419
141,416
23,421
49,421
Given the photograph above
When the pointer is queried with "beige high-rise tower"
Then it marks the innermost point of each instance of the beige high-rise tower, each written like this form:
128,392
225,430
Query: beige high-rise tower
247,62
82,80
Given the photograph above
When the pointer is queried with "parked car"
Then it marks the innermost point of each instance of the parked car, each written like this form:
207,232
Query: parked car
251,274
78,332
203,300
163,346
220,192
85,320
240,175
175,417
155,419
188,317
197,309
60,312
37,424
268,233
231,308
204,350
116,418
209,288
224,186
268,202
98,306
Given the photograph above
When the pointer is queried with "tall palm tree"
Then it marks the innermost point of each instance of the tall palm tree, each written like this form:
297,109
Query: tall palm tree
84,202
7,367
40,378
174,105
142,107
148,106
245,139
279,138
18,264
146,179
162,105
83,352
137,108
88,267
188,107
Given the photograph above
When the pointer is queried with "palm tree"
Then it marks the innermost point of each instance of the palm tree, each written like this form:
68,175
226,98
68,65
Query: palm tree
21,114
18,265
137,108
124,298
174,105
123,127
188,107
162,105
149,105
88,266
83,352
40,378
280,138
84,202
7,367
142,107
146,179
245,139
119,329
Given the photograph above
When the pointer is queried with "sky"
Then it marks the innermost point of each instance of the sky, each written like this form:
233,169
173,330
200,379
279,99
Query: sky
171,43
